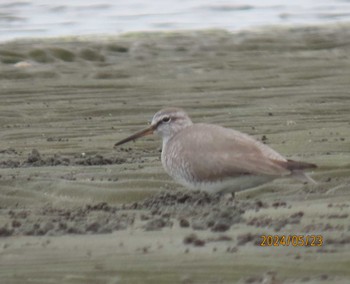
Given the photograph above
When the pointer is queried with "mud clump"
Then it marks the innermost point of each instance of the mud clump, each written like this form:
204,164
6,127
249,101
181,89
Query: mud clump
9,164
157,224
221,226
343,240
9,151
198,210
98,160
184,223
178,198
248,237
276,223
99,218
193,239
35,159
5,231
9,160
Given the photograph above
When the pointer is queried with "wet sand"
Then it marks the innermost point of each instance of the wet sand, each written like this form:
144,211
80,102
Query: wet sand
75,210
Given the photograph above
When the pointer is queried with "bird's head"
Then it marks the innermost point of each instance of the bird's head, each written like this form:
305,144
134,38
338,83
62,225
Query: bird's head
166,123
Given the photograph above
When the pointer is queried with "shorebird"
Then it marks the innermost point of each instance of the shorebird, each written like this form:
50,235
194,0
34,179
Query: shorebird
216,159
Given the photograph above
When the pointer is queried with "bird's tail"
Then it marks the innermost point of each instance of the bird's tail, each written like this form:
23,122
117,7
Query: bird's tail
297,170
296,165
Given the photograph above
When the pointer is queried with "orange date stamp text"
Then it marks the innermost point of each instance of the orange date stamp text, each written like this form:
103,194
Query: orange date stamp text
291,240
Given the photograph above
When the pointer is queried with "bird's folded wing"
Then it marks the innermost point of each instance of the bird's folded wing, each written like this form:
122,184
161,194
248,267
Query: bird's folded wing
221,153
213,166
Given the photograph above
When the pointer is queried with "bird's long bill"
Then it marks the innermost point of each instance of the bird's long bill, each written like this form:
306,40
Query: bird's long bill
144,132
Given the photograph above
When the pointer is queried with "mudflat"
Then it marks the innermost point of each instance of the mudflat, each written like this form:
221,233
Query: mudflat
75,210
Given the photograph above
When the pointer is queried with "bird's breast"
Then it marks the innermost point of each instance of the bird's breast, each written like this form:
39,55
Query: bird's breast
176,164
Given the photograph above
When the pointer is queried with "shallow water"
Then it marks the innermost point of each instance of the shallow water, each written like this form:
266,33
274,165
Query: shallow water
42,18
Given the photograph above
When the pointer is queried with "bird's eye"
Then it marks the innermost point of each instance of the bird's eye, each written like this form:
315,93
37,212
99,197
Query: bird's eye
166,119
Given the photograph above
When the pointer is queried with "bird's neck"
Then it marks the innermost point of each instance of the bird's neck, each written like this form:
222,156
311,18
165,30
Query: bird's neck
176,131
